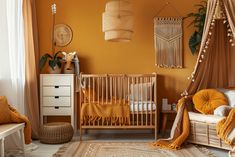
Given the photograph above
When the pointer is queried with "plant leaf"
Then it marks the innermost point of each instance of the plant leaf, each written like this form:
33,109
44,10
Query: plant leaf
59,64
198,22
52,64
57,53
43,60
194,42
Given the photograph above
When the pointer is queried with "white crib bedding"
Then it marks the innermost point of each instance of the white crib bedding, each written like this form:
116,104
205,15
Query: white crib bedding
142,106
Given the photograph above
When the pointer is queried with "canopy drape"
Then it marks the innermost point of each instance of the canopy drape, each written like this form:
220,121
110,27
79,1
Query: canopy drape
215,66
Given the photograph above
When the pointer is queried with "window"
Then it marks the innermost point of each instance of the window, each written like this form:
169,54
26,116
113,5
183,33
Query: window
12,52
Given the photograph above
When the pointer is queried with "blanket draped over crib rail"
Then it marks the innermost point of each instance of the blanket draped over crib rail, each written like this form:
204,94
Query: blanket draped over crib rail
115,113
168,42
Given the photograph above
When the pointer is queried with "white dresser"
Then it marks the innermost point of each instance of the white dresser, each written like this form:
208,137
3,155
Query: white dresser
58,97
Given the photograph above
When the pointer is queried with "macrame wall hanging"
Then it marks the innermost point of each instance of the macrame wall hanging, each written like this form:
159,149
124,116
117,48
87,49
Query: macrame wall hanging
168,36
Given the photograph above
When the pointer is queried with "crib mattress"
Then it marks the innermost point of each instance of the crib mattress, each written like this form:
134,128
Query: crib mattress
204,118
142,106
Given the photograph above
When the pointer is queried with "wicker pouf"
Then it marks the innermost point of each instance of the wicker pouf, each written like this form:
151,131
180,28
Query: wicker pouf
56,133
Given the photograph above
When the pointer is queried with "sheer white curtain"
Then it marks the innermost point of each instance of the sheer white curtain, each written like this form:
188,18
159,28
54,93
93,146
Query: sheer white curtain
12,63
12,52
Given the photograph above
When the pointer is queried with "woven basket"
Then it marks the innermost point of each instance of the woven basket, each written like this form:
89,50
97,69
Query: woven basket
56,133
205,134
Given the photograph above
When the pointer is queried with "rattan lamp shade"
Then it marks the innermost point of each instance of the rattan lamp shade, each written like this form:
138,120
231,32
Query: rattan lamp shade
118,21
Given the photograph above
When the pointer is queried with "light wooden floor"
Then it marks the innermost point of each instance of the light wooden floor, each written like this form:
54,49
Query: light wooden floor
45,150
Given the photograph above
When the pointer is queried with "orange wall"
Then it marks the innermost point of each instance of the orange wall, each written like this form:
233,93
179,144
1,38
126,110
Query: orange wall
99,56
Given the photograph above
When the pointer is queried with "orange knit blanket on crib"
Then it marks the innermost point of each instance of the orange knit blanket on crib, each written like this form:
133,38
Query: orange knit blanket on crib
106,113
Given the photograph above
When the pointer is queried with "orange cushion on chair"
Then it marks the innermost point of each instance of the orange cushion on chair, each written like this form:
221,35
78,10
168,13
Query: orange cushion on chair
5,113
207,100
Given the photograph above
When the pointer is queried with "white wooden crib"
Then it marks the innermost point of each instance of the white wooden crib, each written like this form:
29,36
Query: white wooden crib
138,91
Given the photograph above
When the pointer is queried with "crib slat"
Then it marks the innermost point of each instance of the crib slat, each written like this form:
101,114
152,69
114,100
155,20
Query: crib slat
93,85
120,92
98,95
106,88
86,88
133,105
98,90
111,89
124,89
142,104
102,91
119,89
80,106
128,95
89,90
115,89
151,104
137,82
89,94
147,95
155,101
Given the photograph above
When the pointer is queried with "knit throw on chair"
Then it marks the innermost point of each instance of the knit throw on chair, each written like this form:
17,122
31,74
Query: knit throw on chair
226,128
180,129
168,42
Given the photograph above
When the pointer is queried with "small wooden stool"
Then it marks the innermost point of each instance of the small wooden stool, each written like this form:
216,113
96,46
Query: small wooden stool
165,114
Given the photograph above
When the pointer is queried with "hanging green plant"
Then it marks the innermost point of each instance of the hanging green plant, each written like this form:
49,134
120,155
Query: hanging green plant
198,23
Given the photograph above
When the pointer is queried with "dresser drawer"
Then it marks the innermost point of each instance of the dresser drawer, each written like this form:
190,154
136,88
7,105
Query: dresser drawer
50,80
57,111
56,91
56,101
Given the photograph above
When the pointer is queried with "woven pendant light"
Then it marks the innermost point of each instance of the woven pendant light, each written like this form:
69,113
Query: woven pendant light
118,21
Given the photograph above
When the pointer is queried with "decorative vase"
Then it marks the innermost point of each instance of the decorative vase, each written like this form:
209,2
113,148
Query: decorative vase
56,70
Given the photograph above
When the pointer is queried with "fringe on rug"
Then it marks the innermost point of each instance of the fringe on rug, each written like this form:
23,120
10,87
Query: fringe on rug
14,153
61,150
206,151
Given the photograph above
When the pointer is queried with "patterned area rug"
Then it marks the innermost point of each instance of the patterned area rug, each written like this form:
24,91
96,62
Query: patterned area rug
126,149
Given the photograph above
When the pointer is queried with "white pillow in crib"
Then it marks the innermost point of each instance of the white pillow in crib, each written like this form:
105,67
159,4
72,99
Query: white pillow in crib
230,94
223,110
138,88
